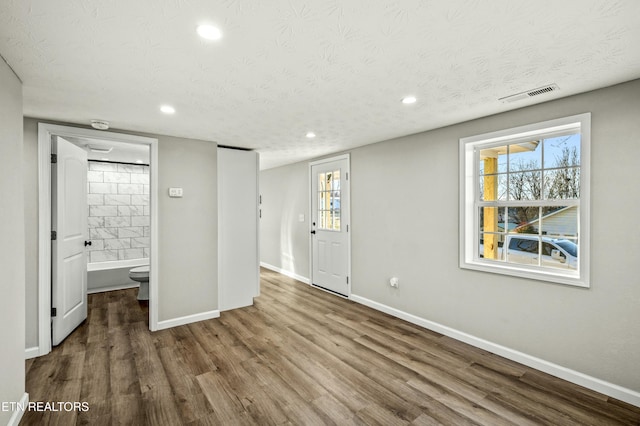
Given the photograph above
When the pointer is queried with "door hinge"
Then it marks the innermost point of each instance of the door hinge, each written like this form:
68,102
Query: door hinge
347,175
54,312
54,158
347,280
54,235
347,228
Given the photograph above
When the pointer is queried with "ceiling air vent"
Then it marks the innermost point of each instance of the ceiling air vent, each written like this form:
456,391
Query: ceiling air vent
530,93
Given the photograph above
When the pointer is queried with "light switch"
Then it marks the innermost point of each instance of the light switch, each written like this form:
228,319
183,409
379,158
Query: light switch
301,217
175,192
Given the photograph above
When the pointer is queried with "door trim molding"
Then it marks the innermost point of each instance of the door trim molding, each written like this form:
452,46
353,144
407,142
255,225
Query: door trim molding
347,157
45,131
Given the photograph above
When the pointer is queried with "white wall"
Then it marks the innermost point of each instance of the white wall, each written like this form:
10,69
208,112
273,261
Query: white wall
188,248
405,224
12,243
30,166
238,274
188,228
284,240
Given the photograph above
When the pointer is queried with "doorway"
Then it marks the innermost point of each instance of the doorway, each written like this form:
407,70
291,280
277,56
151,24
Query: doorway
46,134
330,223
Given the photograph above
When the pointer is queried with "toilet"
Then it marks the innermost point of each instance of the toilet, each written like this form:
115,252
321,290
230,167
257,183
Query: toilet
141,275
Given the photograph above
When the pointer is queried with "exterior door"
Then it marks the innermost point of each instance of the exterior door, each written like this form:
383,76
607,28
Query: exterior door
330,220
69,222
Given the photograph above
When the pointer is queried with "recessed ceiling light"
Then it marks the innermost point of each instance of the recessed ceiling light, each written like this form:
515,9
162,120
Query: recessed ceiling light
409,100
311,135
168,109
209,32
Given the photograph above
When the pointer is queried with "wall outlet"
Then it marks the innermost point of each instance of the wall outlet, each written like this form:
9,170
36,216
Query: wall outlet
393,282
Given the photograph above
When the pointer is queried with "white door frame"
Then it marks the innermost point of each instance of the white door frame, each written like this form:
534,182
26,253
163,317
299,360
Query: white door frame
311,195
45,131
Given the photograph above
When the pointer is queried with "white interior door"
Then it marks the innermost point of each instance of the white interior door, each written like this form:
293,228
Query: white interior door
330,225
69,221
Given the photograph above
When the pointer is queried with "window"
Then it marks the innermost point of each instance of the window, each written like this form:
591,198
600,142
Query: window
524,206
329,200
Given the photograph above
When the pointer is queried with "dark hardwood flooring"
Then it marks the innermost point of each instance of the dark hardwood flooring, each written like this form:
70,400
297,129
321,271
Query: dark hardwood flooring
299,356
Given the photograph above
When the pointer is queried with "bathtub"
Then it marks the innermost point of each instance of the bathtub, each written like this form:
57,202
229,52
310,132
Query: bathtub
109,276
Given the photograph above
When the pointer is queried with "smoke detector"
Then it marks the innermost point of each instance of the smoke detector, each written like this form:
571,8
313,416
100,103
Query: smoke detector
529,93
100,124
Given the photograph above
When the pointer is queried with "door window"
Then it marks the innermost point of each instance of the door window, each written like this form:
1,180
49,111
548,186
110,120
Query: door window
329,200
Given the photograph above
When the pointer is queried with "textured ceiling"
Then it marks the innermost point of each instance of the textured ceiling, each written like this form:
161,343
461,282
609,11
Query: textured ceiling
284,67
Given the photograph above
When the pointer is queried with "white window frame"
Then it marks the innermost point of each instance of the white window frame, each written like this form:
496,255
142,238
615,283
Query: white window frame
469,222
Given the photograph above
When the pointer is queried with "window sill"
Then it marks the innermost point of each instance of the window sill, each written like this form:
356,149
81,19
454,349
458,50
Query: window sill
539,274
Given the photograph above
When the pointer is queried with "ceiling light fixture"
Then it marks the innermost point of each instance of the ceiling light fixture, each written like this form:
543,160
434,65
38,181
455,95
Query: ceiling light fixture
168,109
209,32
100,124
311,135
409,100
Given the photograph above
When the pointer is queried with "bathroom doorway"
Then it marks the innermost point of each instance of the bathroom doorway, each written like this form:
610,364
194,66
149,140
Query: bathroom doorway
128,208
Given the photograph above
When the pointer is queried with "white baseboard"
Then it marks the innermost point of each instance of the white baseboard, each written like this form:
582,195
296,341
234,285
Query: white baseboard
112,288
187,319
623,394
31,352
17,415
285,272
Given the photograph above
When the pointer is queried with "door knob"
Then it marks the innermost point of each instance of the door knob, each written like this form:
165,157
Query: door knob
313,232
87,243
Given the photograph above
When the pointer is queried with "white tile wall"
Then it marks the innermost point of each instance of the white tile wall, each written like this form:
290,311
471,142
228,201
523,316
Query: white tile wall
119,214
103,188
117,200
95,199
117,177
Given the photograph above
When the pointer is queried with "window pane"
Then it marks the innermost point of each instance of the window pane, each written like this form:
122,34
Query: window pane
336,181
491,219
522,249
562,183
559,222
336,220
321,178
491,246
525,156
496,187
559,253
525,185
321,220
493,160
563,151
522,220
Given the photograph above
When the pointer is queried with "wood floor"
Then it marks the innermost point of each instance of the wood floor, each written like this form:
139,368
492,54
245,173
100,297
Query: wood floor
300,356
